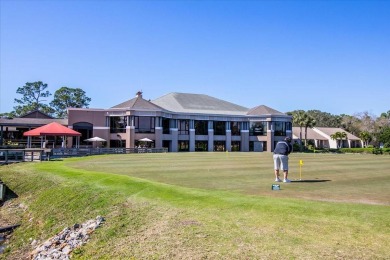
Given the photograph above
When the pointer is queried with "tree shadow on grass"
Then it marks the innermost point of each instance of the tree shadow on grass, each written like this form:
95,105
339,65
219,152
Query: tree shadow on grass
9,194
309,181
56,159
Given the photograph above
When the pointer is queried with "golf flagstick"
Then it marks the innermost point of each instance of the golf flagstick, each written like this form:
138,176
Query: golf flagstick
300,169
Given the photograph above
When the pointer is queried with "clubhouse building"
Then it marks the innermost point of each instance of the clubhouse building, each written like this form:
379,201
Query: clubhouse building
183,122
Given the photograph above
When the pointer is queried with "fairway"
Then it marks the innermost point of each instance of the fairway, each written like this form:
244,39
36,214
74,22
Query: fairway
352,178
204,206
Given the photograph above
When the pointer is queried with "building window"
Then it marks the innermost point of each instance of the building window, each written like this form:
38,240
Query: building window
201,127
280,128
235,127
86,131
251,146
184,146
184,127
219,128
144,124
258,128
201,146
141,144
118,124
165,126
219,146
257,146
118,143
167,144
236,146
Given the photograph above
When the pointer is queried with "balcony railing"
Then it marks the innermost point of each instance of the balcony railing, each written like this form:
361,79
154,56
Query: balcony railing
30,154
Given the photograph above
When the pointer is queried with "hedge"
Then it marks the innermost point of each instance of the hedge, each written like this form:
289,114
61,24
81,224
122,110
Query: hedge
366,150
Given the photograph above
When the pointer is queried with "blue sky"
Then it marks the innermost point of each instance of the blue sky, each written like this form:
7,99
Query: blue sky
333,56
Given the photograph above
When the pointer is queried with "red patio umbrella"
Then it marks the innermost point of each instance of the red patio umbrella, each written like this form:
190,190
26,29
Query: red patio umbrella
52,129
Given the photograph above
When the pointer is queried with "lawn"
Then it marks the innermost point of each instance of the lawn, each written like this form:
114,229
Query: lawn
330,177
206,206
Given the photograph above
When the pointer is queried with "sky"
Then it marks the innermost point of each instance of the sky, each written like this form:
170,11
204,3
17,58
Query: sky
332,56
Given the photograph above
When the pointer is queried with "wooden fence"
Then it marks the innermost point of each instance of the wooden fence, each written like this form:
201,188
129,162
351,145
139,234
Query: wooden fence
39,154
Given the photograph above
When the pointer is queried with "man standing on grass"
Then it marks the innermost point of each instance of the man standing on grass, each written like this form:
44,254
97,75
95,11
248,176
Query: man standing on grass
281,152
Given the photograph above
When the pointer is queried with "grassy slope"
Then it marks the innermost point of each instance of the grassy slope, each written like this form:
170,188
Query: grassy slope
148,219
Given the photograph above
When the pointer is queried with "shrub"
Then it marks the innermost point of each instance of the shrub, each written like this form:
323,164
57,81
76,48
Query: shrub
296,147
377,151
311,147
386,150
321,150
356,150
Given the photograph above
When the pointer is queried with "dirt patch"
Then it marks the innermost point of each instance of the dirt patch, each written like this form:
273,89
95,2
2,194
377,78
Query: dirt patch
11,212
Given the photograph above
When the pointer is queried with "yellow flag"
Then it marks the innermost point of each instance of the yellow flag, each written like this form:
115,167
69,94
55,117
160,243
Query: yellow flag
300,162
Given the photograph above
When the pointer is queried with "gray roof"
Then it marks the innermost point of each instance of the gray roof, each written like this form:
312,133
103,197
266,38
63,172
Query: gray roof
311,134
36,114
138,103
264,110
331,130
195,104
198,103
31,121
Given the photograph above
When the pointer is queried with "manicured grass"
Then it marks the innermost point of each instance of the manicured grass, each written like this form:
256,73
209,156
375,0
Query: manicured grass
331,177
207,206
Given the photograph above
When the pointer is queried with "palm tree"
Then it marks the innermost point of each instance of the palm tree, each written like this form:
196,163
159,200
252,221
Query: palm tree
309,122
339,136
386,115
366,138
342,137
299,120
335,136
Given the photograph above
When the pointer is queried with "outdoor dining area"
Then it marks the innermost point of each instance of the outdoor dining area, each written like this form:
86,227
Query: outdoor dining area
49,149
